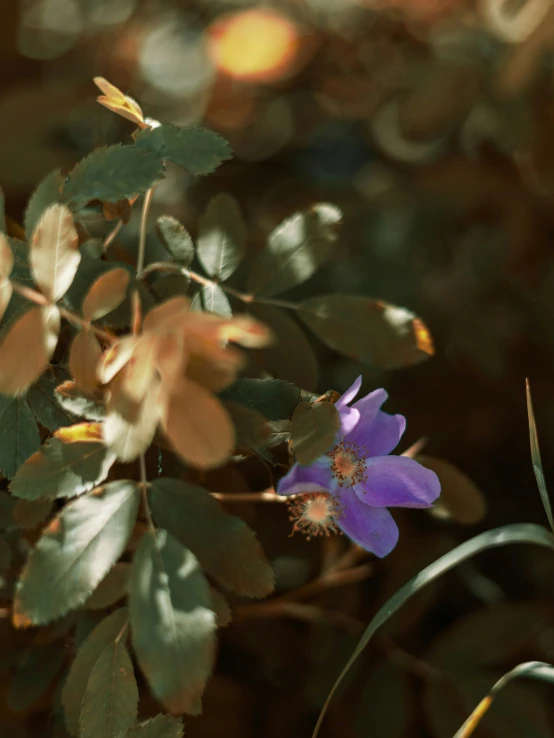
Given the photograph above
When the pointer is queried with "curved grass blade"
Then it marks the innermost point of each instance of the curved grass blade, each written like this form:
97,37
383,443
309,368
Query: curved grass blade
517,533
536,458
535,669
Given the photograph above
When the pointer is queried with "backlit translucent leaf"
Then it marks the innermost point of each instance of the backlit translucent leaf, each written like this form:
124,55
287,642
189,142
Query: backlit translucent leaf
75,552
172,623
292,358
221,237
26,349
111,589
162,726
34,674
295,250
223,544
198,150
54,255
214,300
368,330
63,469
273,398
313,430
198,426
460,499
46,194
81,405
84,355
111,174
176,239
42,399
107,292
76,683
19,434
110,702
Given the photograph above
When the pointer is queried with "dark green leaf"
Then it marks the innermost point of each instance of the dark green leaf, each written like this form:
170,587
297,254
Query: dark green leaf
19,435
62,469
111,589
47,193
170,285
110,702
214,300
518,533
42,399
223,544
172,623
221,237
176,239
295,249
28,514
34,674
7,504
75,552
197,150
104,634
162,726
5,556
384,705
313,430
82,406
461,500
112,173
93,248
368,330
2,211
220,606
251,428
273,398
21,272
536,459
292,358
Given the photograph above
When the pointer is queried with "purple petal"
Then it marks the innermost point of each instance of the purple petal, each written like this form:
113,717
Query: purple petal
301,479
349,395
398,481
349,419
379,433
372,528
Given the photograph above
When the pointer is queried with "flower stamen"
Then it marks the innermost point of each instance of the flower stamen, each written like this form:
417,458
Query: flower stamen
314,514
348,463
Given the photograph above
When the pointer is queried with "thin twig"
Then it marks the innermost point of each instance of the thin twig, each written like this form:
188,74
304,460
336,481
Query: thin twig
143,225
112,235
144,488
267,496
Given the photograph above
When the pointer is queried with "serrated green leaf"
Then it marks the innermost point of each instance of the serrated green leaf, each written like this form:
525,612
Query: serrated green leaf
47,193
76,683
35,672
172,623
198,150
214,300
221,237
292,358
176,239
75,552
110,702
251,428
313,430
42,399
63,469
111,589
19,434
28,514
273,398
295,250
223,544
162,726
112,173
368,330
69,397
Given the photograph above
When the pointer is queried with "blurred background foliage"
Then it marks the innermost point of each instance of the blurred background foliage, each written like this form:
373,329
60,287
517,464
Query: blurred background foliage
429,123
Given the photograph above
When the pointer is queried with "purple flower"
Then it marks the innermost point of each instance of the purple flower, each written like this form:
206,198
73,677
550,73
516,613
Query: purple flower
351,486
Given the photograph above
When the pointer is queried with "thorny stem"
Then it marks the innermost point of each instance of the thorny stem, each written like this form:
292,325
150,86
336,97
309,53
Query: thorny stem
143,225
40,299
112,235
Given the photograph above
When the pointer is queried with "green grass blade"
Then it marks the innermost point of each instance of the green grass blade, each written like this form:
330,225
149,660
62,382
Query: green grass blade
536,458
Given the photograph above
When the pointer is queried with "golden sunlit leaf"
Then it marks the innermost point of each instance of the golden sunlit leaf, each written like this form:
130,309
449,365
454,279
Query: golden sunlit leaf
168,315
6,291
248,332
117,102
197,425
171,359
84,355
141,369
115,358
107,293
258,44
26,350
6,257
54,254
80,432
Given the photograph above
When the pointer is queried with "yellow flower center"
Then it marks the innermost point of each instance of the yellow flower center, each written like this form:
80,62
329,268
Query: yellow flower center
314,514
348,463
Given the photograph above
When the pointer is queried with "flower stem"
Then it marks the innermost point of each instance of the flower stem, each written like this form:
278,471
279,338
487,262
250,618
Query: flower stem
112,235
143,224
268,496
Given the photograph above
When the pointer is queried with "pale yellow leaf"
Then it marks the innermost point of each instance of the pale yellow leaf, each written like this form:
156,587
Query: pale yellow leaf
115,358
130,426
141,369
172,359
248,332
84,355
6,257
26,350
54,254
6,290
107,293
170,315
115,100
197,425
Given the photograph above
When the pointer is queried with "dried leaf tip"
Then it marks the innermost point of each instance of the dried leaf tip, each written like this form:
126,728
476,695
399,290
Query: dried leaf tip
119,103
